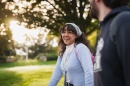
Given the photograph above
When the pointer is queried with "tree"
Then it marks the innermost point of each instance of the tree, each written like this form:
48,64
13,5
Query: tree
6,42
6,15
52,14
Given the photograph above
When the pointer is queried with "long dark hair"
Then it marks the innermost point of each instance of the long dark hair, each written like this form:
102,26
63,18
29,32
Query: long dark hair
79,39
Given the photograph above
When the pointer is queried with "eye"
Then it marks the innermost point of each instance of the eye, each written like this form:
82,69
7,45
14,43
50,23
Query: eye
70,32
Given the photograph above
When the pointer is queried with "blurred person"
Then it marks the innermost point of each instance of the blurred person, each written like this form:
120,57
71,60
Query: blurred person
112,57
74,60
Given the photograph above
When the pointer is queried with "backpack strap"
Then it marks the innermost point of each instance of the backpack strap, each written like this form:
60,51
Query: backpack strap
113,27
92,56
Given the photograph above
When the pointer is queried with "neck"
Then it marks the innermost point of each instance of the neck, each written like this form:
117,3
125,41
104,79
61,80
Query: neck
103,11
70,45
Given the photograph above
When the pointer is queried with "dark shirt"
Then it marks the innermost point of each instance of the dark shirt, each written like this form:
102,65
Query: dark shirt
112,60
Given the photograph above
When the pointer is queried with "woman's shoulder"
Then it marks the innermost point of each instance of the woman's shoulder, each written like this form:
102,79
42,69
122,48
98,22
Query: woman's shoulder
80,45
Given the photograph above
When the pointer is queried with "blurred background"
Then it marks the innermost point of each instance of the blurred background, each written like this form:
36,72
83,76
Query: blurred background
29,37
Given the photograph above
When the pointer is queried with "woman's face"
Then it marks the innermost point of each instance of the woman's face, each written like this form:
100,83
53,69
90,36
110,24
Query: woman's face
68,37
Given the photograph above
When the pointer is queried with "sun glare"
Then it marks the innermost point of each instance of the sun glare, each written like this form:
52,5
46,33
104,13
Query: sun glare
20,34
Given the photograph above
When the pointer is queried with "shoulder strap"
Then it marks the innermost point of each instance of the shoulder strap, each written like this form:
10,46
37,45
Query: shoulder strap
92,56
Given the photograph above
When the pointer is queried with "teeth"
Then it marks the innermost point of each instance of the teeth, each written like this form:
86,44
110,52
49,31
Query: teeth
66,38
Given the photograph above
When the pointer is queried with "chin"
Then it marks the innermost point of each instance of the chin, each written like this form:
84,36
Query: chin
67,44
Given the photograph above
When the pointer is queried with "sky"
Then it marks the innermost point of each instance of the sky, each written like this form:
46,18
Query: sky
19,33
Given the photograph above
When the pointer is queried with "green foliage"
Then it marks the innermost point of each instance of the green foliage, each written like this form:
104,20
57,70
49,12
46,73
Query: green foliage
6,14
6,42
51,56
92,39
52,14
43,49
39,55
3,59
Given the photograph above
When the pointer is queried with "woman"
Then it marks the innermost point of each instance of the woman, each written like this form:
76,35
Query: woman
74,60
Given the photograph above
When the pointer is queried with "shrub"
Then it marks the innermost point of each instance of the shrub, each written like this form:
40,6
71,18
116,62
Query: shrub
51,56
3,59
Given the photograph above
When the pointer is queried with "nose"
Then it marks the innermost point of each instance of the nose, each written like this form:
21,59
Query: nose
66,33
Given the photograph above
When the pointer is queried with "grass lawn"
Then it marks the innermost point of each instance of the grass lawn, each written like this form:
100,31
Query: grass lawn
30,73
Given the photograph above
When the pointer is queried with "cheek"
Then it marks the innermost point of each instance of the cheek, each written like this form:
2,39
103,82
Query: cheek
74,37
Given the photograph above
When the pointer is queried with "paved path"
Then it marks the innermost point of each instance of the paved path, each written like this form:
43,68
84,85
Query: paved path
32,67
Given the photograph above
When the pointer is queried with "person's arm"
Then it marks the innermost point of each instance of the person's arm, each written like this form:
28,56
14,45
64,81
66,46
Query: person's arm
57,74
123,47
84,56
